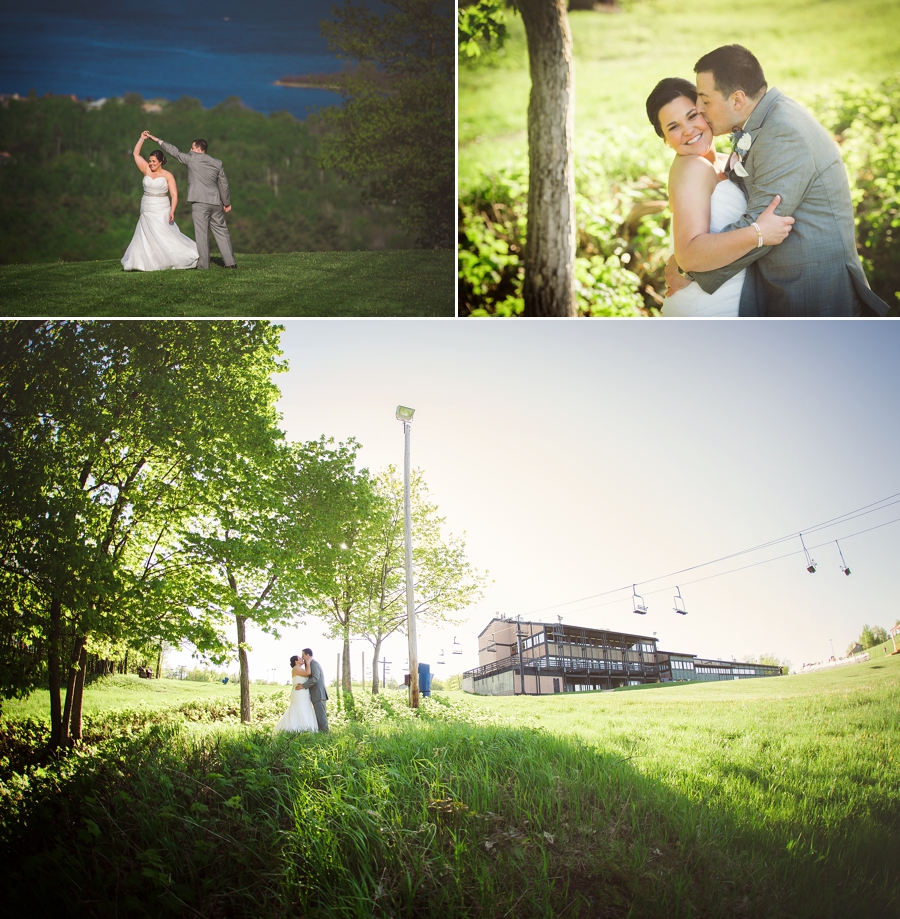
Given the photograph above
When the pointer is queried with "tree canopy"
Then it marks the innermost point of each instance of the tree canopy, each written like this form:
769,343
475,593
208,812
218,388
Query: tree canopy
395,131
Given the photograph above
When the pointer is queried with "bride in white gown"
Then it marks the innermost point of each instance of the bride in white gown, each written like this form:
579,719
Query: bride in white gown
299,715
158,244
703,201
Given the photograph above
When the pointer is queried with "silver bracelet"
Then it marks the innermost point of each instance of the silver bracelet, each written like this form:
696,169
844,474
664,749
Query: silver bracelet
759,242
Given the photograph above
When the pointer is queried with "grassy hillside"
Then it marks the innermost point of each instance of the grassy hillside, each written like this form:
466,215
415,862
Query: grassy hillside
762,798
805,48
386,283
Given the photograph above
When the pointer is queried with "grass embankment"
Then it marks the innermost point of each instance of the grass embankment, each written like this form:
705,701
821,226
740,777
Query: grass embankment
383,283
804,48
769,798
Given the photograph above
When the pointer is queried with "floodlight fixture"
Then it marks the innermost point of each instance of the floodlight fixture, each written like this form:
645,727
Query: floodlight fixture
405,414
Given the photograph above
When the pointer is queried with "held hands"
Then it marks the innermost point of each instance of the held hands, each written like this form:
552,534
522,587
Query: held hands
145,135
774,229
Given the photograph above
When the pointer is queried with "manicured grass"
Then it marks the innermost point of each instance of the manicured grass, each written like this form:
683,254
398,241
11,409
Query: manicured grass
804,47
382,283
775,797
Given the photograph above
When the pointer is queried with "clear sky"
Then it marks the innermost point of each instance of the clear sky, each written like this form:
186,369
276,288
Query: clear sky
579,457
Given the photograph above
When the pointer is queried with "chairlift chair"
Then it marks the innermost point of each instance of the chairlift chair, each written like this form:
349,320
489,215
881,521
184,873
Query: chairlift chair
810,562
844,567
457,647
639,606
679,603
441,659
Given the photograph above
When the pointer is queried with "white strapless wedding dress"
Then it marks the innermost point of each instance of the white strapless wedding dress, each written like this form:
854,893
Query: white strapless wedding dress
158,245
299,715
726,206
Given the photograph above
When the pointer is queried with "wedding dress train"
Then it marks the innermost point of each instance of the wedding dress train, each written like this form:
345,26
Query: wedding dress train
726,206
158,245
299,715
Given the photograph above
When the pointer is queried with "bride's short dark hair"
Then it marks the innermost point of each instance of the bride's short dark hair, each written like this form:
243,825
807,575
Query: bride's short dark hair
294,659
160,156
666,91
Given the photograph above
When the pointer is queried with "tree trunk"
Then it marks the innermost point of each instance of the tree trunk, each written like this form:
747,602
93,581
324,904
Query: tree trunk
549,286
158,673
125,665
244,668
345,664
53,674
64,735
78,696
375,667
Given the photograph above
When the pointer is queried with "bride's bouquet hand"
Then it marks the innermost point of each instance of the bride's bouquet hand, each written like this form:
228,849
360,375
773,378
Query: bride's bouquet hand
774,229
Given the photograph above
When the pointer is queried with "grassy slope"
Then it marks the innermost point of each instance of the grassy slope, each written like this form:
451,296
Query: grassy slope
383,283
768,798
803,46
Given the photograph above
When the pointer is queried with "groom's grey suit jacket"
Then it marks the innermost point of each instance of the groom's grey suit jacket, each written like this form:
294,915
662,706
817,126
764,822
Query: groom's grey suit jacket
207,183
816,270
315,683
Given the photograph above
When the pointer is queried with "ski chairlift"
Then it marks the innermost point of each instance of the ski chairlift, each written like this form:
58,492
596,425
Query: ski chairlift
679,602
810,562
441,659
844,567
457,647
639,606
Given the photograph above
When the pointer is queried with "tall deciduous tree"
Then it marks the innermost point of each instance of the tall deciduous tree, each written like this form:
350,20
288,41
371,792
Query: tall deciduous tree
444,580
274,534
395,131
112,435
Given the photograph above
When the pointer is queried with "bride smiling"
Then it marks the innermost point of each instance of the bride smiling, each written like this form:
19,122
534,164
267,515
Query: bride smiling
703,201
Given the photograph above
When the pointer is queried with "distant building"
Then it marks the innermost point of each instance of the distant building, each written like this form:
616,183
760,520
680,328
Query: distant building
537,658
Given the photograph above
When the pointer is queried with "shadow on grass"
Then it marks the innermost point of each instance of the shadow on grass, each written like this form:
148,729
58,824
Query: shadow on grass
401,819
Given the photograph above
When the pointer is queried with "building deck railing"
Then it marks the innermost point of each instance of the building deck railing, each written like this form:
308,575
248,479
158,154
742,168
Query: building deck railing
569,665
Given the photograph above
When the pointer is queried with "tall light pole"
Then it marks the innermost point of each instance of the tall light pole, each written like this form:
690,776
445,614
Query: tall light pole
405,415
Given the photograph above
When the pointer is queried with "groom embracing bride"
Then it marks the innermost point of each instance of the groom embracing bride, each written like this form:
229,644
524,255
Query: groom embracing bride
804,266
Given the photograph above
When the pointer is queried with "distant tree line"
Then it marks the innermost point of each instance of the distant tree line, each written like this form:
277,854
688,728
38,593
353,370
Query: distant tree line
69,188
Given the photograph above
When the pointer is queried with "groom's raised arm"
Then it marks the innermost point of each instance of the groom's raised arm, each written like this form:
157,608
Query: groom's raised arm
783,164
172,150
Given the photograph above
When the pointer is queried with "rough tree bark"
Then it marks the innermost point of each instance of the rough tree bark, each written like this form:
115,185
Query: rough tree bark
549,285
78,700
53,674
244,668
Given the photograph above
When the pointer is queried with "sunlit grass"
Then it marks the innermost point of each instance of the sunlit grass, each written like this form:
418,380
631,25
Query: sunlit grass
772,798
805,47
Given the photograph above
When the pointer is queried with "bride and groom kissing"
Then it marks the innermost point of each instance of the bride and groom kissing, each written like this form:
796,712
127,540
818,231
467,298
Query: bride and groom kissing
306,711
158,244
734,255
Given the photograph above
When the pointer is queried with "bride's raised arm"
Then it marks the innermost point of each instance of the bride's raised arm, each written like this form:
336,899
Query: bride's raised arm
139,161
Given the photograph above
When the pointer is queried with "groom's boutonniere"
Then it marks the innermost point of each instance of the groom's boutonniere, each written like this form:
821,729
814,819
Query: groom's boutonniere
740,147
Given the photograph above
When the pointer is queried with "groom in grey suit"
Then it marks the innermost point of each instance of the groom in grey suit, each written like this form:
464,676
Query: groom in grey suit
210,198
816,270
315,683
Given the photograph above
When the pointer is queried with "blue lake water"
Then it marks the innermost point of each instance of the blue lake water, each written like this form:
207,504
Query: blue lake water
208,49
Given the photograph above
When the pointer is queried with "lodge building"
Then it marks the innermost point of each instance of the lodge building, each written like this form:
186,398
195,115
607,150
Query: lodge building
534,658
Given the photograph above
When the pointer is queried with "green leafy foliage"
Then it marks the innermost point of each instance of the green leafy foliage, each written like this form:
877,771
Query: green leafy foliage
394,137
866,123
69,188
480,27
622,221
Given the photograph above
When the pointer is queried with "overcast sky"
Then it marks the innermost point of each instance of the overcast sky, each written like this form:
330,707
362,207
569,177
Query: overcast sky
580,457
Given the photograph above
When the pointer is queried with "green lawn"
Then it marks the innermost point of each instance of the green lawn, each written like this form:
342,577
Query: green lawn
774,798
804,46
382,283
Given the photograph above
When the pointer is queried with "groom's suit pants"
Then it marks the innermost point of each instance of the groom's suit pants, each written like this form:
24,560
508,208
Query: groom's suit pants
211,217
